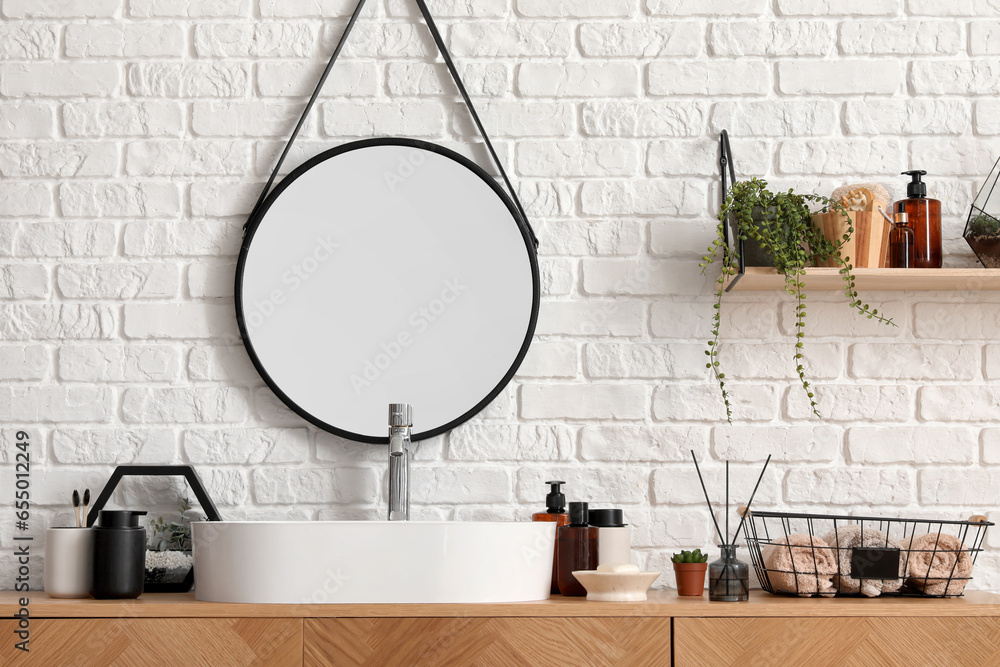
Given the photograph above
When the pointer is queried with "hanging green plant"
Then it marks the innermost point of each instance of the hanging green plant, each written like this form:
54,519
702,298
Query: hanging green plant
781,223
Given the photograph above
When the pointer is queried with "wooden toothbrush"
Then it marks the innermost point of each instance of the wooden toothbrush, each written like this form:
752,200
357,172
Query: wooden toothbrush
86,506
76,506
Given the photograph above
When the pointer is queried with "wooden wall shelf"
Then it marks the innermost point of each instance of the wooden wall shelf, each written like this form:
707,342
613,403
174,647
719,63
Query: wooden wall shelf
872,280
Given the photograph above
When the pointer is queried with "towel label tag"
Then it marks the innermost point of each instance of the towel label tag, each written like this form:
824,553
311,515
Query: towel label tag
874,563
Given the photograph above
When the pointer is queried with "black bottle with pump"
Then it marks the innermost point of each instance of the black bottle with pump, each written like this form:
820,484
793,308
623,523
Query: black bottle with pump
119,555
576,545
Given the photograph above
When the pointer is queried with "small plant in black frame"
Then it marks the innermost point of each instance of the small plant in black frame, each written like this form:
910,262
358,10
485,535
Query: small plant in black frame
982,231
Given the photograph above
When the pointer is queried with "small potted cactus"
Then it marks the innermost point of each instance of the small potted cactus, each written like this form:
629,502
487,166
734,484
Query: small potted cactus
689,570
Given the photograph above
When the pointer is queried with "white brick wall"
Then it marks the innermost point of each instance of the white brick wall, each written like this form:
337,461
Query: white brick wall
134,138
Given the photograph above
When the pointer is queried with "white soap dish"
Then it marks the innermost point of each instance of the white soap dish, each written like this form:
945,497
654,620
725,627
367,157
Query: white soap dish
616,586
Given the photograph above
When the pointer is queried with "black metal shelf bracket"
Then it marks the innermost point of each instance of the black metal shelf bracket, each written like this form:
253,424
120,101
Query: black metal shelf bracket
728,172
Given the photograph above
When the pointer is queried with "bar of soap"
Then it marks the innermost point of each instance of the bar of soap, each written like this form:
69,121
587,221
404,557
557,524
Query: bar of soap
618,568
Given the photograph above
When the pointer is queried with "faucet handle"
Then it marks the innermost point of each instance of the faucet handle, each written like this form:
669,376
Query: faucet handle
400,414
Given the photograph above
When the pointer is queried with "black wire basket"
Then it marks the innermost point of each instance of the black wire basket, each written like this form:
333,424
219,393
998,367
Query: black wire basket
852,556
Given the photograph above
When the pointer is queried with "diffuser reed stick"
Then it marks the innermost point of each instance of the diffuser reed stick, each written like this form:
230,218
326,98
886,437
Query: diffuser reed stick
705,491
747,510
744,511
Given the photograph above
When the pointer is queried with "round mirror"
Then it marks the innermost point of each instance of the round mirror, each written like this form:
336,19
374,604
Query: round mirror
387,271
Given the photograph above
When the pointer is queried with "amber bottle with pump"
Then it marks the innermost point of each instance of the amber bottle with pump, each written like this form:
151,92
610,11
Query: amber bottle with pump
555,511
924,216
576,544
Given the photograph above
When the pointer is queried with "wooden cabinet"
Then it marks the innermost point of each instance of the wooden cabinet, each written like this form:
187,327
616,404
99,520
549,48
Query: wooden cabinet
126,642
174,629
487,641
837,642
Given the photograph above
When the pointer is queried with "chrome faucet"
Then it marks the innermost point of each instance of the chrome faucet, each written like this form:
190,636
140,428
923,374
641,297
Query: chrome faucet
400,421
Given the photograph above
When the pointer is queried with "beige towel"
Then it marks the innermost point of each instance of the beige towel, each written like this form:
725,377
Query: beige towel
844,540
933,561
801,564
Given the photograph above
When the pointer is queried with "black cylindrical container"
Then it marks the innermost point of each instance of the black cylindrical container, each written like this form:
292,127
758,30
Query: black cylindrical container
119,555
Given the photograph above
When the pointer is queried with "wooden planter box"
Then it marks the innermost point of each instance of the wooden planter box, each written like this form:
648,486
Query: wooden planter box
869,245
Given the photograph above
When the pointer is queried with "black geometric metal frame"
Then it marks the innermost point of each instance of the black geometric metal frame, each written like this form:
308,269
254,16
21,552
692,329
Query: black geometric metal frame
188,473
976,211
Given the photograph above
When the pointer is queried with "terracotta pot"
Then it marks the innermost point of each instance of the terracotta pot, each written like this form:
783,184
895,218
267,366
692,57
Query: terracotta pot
690,578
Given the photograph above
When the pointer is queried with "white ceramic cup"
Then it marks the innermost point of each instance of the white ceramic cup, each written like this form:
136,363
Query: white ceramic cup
69,562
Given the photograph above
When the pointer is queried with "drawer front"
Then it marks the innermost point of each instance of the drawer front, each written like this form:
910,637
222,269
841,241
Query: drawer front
487,641
857,641
104,642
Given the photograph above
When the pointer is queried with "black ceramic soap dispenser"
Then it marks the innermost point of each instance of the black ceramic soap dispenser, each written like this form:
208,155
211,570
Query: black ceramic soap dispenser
119,555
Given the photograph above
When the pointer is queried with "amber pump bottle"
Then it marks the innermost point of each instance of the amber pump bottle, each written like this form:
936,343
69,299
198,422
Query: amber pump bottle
924,216
555,511
577,547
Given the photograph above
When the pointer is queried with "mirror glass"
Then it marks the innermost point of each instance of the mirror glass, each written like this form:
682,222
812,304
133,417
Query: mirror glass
387,271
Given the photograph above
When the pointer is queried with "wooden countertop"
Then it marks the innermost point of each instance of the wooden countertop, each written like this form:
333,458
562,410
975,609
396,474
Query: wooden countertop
660,603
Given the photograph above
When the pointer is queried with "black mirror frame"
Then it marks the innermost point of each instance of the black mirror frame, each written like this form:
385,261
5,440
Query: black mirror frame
257,218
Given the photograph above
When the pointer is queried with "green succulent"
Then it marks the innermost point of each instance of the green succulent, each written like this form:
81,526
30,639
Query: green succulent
695,556
984,225
782,223
173,536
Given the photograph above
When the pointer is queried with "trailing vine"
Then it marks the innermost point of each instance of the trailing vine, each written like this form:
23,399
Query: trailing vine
782,224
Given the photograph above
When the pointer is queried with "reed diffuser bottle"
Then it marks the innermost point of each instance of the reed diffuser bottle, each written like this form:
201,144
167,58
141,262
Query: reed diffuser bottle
729,577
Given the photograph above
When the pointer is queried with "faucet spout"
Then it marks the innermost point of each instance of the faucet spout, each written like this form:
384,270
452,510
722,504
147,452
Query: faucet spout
400,422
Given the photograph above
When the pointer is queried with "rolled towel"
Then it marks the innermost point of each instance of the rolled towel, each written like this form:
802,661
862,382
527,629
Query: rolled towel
801,564
844,540
932,563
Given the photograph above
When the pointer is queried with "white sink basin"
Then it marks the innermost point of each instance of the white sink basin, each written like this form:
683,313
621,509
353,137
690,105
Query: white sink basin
315,562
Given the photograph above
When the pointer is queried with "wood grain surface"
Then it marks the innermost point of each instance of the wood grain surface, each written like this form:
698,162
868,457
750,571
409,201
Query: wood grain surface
659,604
840,642
482,642
821,279
104,642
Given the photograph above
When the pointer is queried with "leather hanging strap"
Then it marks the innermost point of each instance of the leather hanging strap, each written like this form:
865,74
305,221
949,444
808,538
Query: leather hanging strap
439,41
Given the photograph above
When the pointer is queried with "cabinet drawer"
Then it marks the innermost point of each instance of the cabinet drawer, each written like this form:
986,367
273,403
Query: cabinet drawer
487,641
103,642
861,641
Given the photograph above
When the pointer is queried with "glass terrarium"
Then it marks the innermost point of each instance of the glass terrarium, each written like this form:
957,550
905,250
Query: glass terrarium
982,231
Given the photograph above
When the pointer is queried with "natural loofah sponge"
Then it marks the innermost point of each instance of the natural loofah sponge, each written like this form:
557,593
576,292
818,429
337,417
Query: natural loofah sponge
879,192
